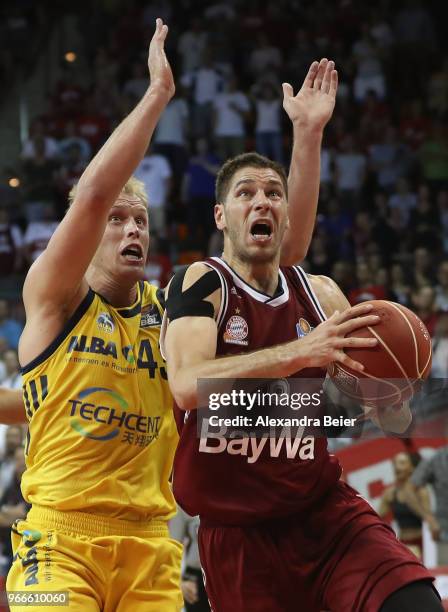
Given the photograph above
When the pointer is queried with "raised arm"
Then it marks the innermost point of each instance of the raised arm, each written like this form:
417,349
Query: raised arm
57,277
191,339
309,111
12,410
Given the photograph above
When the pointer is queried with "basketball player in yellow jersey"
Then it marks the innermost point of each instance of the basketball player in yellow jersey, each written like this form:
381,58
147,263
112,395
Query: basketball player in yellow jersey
101,431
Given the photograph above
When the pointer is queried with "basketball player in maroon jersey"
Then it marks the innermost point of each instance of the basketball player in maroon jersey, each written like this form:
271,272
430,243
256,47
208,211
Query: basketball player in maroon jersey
277,533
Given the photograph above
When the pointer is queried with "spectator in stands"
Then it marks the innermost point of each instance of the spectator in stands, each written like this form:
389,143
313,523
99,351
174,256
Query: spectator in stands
92,125
367,289
39,173
400,287
389,159
191,46
442,207
424,221
369,72
423,268
13,439
170,138
268,128
135,87
231,110
12,507
397,502
198,191
184,528
11,241
39,141
439,368
71,138
10,329
434,471
350,171
423,304
38,234
265,58
155,172
204,84
441,302
403,199
438,89
13,378
433,156
69,173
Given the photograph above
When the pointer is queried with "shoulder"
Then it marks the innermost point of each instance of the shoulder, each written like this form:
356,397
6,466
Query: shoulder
328,293
192,286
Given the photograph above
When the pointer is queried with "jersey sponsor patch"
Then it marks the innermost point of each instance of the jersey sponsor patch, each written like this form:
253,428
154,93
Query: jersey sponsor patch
150,316
105,322
236,331
303,328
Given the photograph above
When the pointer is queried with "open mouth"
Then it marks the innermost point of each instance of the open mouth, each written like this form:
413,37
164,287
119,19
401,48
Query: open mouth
133,252
261,231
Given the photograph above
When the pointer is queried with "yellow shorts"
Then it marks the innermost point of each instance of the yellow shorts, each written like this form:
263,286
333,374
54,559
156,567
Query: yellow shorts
106,565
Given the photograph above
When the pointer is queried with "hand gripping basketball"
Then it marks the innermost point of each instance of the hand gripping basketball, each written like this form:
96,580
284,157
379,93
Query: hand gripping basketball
326,344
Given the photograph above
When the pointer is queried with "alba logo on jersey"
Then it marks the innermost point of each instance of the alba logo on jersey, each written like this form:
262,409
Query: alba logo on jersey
105,322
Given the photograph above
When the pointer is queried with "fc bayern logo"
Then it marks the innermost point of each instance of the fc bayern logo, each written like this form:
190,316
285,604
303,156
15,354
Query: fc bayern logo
236,330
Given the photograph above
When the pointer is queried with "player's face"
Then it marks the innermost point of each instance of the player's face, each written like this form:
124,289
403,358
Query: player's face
254,215
124,246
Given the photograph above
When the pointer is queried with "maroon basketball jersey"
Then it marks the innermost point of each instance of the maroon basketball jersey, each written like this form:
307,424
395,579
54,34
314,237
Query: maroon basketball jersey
245,481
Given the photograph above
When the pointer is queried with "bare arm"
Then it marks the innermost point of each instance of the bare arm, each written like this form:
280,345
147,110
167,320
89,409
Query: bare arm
385,507
55,284
191,342
309,111
75,241
12,410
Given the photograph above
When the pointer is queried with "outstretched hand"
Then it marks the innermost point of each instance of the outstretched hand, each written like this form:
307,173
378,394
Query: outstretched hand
159,67
314,103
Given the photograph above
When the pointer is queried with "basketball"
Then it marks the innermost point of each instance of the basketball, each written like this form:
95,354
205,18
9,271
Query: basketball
396,367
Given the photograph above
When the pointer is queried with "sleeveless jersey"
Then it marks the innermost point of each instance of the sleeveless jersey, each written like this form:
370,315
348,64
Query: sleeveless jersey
227,480
101,431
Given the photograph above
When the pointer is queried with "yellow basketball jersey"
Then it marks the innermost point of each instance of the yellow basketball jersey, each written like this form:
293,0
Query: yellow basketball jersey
102,434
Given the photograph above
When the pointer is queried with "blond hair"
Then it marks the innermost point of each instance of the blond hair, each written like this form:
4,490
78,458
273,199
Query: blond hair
133,187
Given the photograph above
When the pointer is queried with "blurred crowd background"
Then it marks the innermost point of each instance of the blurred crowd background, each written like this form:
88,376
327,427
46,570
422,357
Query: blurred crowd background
382,225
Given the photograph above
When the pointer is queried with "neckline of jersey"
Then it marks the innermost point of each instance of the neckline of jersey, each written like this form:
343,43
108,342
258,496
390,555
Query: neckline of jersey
280,290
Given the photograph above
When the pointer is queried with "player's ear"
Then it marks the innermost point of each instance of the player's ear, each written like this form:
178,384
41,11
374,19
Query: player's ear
220,216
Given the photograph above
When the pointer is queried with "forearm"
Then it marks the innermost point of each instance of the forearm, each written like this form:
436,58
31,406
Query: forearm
303,192
115,162
12,410
275,362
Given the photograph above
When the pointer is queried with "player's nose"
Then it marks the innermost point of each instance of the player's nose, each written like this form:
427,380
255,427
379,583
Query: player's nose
131,227
261,201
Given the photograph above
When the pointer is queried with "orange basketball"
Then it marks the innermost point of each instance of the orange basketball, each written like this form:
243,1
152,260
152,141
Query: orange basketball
396,367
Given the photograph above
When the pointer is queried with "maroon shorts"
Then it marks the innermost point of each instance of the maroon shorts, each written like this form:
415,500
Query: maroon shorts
339,556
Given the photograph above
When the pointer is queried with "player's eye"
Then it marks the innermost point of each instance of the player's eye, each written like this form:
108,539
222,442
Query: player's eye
114,219
274,193
140,221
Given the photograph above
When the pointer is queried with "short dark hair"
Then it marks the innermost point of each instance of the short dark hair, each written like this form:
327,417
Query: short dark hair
253,160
